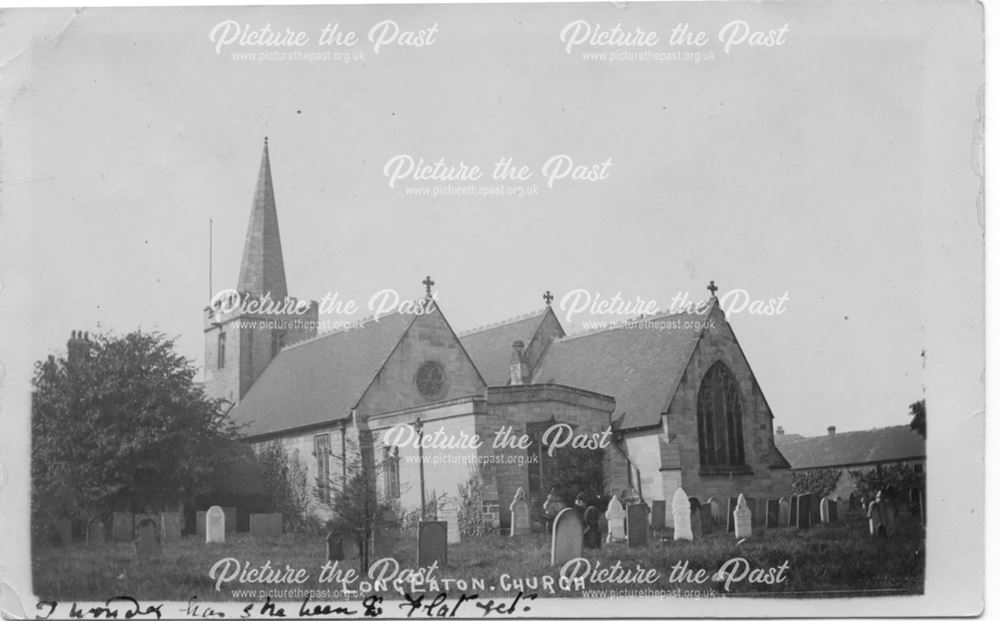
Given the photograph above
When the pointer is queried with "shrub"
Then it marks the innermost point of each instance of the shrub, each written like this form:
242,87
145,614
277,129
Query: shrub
471,520
819,483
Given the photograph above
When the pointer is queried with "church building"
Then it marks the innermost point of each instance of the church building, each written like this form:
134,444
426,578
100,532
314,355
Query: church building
676,392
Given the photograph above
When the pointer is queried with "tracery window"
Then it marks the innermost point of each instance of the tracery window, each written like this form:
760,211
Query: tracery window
720,419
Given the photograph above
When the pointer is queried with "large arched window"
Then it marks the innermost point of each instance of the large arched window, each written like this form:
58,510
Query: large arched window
720,419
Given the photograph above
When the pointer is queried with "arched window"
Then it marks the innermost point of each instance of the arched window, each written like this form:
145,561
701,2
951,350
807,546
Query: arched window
720,419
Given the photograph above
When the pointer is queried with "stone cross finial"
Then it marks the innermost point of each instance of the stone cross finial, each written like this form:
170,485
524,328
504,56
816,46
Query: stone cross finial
428,283
547,296
712,288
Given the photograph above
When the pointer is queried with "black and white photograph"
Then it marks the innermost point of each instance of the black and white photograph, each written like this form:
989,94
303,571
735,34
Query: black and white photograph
584,310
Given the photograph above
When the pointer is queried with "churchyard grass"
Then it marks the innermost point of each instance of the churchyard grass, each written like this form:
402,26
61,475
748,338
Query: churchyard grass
824,561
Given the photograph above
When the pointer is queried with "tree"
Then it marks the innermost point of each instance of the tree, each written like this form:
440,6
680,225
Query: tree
123,425
918,410
891,479
576,471
285,486
819,483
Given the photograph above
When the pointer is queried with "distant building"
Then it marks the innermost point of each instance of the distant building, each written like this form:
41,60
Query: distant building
853,450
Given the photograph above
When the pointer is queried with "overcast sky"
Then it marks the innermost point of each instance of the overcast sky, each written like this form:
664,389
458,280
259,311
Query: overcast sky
795,169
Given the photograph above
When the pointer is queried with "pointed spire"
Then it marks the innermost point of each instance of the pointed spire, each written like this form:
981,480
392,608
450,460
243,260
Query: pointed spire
263,267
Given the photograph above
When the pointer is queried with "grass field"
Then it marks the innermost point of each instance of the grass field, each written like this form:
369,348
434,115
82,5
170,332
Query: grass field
827,561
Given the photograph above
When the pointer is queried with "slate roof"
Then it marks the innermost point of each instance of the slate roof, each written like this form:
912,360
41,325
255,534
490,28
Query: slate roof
639,367
853,448
490,346
321,379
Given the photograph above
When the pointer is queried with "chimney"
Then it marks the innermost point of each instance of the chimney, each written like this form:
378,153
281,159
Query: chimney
831,430
78,346
519,371
781,430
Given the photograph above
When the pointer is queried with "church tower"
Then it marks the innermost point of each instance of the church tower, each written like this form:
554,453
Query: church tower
246,327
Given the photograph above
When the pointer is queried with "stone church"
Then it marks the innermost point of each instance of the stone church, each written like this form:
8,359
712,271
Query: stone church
677,392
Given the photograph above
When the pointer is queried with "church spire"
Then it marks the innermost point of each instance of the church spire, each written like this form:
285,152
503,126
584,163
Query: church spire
263,267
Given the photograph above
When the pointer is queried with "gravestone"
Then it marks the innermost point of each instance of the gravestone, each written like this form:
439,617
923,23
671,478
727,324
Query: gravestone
95,532
265,525
824,511
730,525
834,510
553,504
199,518
592,532
716,512
752,505
773,517
334,547
567,537
804,503
602,526
520,514
742,518
147,544
680,508
139,517
386,540
432,543
230,518
852,502
448,513
122,526
890,517
877,511
696,530
793,510
783,512
658,518
814,517
707,521
616,520
170,527
215,525
638,526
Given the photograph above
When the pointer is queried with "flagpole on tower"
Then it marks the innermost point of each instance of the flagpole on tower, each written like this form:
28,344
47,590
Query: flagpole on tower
209,260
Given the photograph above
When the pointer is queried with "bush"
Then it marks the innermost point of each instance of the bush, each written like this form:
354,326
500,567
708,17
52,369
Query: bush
819,483
892,480
471,521
285,484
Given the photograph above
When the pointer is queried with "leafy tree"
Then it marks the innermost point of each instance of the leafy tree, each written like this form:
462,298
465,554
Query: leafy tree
285,486
123,425
819,483
918,410
892,480
576,471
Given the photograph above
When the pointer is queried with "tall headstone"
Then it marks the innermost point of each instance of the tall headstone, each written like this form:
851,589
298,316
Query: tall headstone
230,518
804,503
122,527
567,537
266,525
707,521
824,510
448,513
592,531
199,519
170,527
95,532
147,544
793,510
773,517
658,518
752,505
616,520
680,508
215,525
716,512
731,507
696,530
638,526
742,518
877,510
432,543
814,517
520,514
783,512
834,510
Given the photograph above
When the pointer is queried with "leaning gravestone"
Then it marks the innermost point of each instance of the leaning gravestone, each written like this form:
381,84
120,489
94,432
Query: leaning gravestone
520,515
783,512
265,525
592,533
730,526
200,523
824,510
122,526
773,517
147,545
716,512
804,504
742,518
680,507
707,521
230,518
658,518
95,532
696,531
448,512
215,525
616,520
567,537
170,527
638,526
432,543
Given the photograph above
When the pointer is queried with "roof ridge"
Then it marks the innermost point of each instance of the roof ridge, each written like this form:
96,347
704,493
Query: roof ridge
504,322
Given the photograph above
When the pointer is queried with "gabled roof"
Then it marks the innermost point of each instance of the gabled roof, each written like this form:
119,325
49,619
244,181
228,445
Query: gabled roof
640,367
853,448
319,380
490,346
